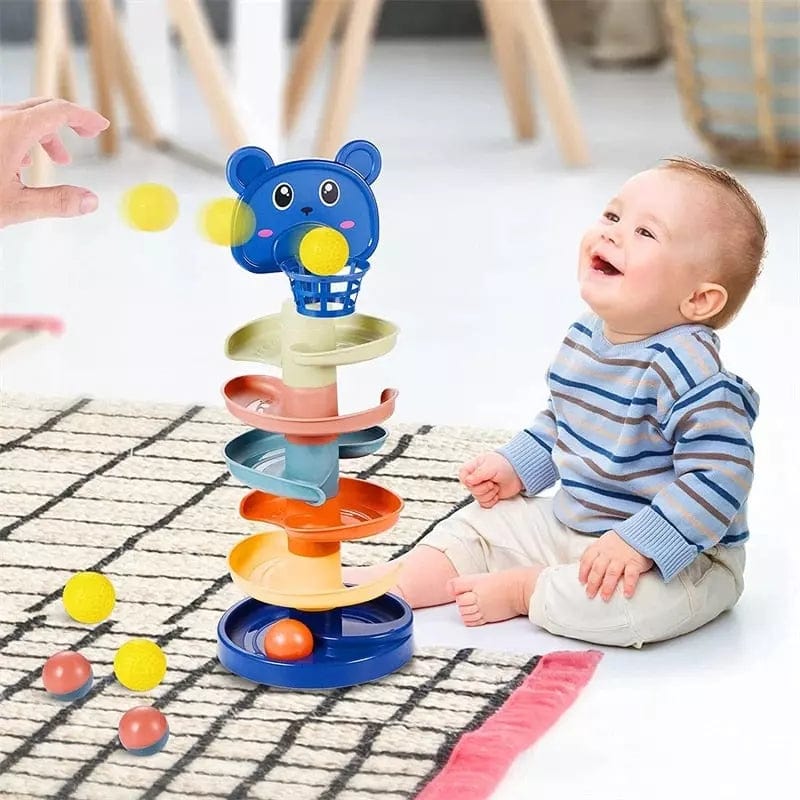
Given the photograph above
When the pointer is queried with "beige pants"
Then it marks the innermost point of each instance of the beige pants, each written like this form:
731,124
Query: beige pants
523,531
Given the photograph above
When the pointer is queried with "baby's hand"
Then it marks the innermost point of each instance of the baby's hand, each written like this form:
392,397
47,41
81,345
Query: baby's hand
489,478
609,560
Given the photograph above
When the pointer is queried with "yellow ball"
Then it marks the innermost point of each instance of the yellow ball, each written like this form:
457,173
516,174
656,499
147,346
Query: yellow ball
88,597
140,665
323,251
227,222
150,207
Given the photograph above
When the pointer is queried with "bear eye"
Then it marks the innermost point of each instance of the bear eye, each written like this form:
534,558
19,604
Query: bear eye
329,192
282,196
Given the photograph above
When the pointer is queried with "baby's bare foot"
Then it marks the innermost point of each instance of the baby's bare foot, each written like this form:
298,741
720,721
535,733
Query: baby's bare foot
494,597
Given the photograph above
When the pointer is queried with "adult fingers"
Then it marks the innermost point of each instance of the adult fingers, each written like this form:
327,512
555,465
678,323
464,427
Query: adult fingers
23,104
52,114
54,148
46,118
52,201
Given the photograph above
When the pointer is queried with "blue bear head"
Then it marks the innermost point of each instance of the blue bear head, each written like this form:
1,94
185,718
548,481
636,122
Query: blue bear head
289,198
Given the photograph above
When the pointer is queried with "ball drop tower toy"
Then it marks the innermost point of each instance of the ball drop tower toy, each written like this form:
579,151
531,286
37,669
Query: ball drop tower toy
317,222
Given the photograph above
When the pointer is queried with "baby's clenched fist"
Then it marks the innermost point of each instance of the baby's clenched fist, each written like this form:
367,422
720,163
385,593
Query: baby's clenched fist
489,478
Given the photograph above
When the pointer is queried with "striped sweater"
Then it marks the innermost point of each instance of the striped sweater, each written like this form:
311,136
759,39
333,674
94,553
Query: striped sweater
650,439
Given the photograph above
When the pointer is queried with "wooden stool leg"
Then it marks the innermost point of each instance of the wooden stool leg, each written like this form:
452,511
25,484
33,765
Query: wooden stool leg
512,64
352,56
141,118
317,32
49,45
102,60
67,74
208,68
540,38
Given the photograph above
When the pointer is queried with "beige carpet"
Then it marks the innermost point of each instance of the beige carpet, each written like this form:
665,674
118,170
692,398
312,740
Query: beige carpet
141,494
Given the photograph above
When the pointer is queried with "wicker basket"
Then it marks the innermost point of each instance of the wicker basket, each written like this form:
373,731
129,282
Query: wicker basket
738,71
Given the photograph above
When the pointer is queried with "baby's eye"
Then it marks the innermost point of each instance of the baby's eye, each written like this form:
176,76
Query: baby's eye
645,232
282,196
611,216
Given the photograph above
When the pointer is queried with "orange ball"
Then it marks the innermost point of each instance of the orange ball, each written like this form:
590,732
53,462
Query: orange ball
143,731
67,675
288,640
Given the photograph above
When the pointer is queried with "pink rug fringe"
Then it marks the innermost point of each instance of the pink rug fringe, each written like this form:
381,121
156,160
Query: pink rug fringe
481,758
15,322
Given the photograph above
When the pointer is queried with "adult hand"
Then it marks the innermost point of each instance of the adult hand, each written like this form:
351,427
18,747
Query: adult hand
26,125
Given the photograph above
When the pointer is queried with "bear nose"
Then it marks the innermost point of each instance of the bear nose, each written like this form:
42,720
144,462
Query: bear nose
306,210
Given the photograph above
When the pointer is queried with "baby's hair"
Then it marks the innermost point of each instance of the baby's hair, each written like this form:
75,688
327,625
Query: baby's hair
744,249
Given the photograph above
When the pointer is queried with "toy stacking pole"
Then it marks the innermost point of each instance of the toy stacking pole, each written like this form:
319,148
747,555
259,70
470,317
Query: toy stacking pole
317,334
316,397
317,223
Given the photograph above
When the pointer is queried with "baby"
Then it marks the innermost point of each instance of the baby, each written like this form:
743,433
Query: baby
648,434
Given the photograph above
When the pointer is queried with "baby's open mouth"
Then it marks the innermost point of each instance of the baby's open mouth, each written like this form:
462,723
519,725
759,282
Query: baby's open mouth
606,267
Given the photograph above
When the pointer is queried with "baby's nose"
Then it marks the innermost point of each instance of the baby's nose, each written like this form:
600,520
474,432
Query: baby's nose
610,236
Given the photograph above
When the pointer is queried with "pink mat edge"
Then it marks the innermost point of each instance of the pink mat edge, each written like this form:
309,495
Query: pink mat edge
482,757
32,322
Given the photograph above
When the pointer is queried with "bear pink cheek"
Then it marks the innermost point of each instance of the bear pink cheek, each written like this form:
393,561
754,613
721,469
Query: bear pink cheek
347,224
265,233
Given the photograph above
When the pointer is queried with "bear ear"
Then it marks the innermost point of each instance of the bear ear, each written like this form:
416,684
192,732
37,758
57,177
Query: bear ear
246,165
363,157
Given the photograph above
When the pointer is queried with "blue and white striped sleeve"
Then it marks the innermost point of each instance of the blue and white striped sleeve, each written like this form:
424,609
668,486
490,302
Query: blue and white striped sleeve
530,452
710,429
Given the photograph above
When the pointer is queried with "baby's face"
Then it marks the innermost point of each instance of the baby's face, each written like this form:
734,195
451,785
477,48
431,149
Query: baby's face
652,246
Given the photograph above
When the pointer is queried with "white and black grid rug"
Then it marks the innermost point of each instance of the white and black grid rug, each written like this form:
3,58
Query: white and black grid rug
140,493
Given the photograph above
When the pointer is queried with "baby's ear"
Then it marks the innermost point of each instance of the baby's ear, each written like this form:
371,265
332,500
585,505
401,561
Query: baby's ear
705,302
247,164
363,157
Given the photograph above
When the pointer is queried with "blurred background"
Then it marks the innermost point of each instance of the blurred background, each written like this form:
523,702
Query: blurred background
504,126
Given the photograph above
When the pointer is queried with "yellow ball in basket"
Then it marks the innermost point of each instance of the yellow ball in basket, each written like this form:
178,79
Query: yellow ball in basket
323,251
88,597
150,207
140,665
227,222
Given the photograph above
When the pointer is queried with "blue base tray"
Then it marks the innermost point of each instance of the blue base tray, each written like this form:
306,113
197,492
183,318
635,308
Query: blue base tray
352,645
